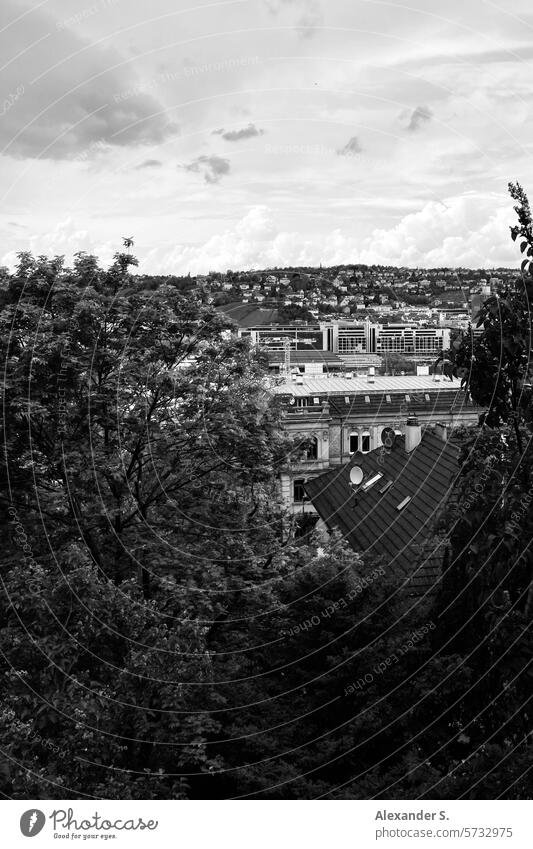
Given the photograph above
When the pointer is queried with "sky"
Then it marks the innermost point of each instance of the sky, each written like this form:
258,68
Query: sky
253,133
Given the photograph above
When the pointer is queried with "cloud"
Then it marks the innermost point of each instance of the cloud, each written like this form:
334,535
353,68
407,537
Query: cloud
237,135
212,167
351,148
471,231
420,116
149,163
308,14
68,97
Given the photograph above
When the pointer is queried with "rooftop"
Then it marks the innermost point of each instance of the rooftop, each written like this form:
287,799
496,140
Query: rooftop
393,514
359,384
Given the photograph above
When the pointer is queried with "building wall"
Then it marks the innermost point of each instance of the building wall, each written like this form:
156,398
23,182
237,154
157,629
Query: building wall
333,440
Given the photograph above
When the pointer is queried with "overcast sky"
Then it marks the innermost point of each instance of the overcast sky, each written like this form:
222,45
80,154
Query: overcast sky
251,133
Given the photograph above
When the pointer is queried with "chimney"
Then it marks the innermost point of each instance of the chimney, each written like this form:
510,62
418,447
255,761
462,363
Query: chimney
441,430
413,433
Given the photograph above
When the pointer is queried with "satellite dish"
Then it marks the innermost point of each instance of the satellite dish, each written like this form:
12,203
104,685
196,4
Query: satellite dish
388,437
356,475
292,400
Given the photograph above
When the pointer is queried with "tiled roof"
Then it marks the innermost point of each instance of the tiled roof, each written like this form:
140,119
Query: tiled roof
370,520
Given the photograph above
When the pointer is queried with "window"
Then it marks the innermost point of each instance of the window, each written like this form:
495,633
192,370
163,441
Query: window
365,447
354,443
312,451
403,503
371,481
316,400
298,490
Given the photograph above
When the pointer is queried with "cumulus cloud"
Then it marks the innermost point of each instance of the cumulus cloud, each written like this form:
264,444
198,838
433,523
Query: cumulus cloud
467,231
212,167
66,95
351,148
420,116
237,135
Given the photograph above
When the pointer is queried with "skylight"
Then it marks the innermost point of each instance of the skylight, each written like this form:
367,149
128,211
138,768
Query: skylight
346,399
387,399
386,486
367,399
408,398
371,481
426,396
403,503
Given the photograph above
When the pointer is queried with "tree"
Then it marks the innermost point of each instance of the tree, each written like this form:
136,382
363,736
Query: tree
139,472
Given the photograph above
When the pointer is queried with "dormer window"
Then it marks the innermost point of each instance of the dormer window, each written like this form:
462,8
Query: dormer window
365,443
354,443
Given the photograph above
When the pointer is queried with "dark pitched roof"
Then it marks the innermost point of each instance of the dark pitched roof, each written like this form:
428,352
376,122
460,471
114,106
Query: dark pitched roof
370,520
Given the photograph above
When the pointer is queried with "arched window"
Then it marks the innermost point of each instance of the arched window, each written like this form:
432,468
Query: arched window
354,443
365,442
312,451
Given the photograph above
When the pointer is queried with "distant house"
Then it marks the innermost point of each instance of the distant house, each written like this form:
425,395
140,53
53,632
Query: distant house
394,507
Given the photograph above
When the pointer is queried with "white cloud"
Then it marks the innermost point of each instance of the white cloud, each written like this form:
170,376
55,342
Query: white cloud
469,231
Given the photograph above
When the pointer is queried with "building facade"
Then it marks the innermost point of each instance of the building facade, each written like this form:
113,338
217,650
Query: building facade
335,417
349,338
